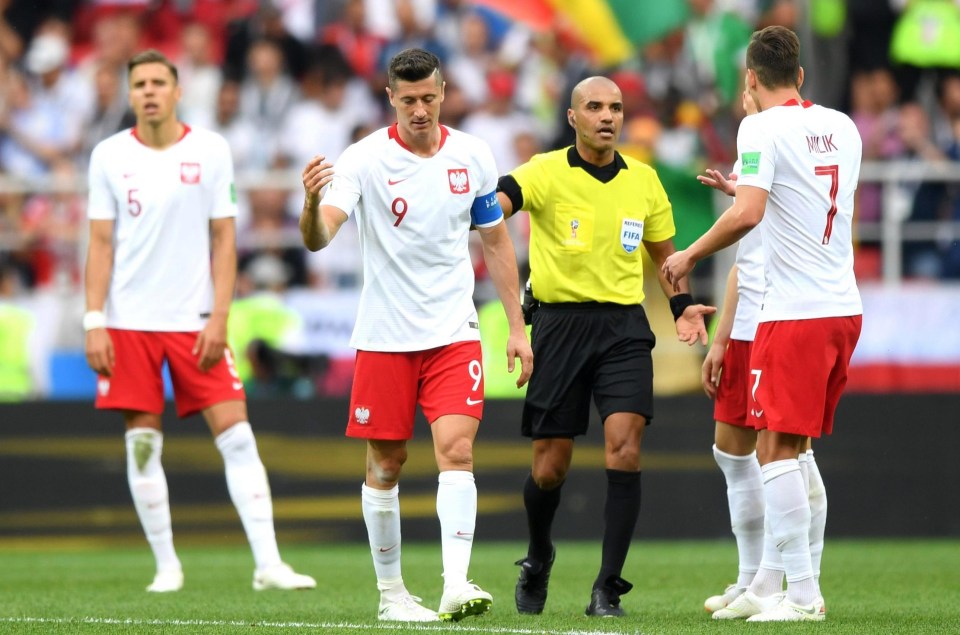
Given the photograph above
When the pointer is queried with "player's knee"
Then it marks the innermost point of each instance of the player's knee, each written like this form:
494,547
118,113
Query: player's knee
624,456
458,455
549,477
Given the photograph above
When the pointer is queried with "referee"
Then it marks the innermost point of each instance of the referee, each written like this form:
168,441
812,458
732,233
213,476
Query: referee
590,209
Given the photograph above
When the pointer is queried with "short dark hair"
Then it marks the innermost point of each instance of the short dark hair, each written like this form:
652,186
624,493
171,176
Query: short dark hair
774,55
412,65
152,56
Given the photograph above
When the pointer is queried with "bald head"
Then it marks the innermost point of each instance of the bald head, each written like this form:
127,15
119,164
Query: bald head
591,85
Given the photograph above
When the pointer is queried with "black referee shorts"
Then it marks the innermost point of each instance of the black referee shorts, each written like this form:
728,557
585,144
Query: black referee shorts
582,349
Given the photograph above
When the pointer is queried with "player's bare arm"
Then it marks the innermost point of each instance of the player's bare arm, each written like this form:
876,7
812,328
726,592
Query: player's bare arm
501,261
690,324
98,345
212,340
713,363
318,225
745,214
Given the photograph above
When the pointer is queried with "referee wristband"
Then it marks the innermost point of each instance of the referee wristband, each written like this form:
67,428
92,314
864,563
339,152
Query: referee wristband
94,320
679,303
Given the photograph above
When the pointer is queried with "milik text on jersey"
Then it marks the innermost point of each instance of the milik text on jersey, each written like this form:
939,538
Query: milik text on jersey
822,144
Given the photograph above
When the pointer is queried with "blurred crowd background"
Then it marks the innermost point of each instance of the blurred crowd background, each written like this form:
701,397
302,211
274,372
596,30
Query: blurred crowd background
283,80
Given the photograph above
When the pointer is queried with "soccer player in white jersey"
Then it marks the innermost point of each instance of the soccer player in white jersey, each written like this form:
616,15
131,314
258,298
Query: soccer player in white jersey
799,169
161,201
726,379
417,187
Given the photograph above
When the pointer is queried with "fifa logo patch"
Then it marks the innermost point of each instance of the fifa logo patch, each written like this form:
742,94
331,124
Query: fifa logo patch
362,415
459,180
574,226
190,173
631,233
103,387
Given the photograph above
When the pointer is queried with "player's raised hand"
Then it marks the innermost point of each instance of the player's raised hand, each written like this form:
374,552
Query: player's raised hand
690,325
316,175
710,371
716,180
99,350
519,346
211,342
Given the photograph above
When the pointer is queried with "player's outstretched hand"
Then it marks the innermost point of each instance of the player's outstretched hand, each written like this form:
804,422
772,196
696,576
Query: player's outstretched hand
676,266
716,180
99,349
211,343
690,325
316,175
518,346
710,371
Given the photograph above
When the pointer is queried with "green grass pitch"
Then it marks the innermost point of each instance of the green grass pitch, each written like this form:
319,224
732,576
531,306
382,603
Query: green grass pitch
870,587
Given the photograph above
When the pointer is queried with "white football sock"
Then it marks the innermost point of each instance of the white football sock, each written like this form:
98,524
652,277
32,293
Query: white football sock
250,491
148,486
457,509
817,495
788,513
381,514
769,578
745,498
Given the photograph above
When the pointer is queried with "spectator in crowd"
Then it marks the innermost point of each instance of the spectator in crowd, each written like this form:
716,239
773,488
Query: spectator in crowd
251,149
268,92
265,23
498,121
17,339
200,76
332,104
272,231
69,93
35,133
109,114
360,47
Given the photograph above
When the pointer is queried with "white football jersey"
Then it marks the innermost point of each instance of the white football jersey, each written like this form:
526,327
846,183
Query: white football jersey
808,158
161,202
749,286
414,216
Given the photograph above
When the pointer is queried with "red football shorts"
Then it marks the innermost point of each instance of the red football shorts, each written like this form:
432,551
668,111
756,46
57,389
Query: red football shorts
388,386
730,405
137,382
797,373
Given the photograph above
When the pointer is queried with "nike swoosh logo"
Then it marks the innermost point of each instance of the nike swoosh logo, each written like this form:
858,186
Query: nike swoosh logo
464,534
473,402
237,385
386,549
127,176
757,413
392,182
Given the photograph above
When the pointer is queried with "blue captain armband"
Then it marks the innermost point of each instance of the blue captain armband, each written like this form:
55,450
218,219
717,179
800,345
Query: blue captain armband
486,210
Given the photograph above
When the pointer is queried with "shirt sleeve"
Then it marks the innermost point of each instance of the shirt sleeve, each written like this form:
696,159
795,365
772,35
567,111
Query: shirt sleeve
658,224
225,190
486,210
530,178
344,191
756,153
101,204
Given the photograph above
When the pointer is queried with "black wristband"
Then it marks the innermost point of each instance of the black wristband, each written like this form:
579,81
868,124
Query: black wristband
679,303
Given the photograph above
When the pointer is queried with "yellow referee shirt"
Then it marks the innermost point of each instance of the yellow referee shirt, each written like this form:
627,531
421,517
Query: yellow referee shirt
587,223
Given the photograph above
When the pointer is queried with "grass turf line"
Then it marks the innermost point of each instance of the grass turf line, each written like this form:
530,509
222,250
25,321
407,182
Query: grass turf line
870,587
